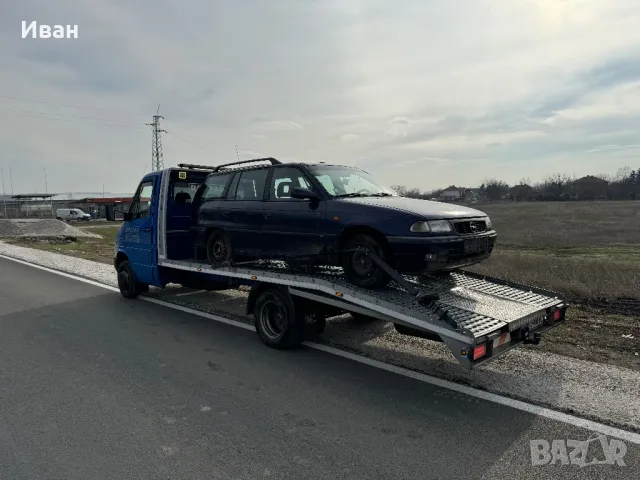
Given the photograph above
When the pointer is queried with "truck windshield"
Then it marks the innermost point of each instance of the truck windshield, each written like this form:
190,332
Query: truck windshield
342,181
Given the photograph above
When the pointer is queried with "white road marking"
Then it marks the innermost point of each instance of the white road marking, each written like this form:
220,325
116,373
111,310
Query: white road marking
421,377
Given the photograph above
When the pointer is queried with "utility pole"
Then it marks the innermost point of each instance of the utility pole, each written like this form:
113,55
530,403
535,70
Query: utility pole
4,195
157,161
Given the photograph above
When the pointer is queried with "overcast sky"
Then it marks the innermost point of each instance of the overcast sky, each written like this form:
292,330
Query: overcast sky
422,93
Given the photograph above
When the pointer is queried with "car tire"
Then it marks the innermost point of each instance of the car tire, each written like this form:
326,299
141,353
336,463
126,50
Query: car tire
219,248
358,268
277,323
127,283
58,218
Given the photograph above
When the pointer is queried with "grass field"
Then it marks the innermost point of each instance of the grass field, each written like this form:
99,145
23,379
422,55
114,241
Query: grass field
585,250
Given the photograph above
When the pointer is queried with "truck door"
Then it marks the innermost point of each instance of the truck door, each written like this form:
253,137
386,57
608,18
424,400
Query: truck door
139,239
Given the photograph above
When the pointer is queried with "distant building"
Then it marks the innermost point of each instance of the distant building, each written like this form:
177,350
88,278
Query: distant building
452,193
590,187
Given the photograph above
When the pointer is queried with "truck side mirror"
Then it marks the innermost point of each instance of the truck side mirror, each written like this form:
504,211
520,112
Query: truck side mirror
127,216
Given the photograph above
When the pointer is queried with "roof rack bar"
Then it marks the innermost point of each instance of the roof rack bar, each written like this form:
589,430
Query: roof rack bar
199,167
216,168
272,160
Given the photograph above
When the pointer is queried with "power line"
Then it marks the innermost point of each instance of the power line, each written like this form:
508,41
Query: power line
157,161
67,105
41,116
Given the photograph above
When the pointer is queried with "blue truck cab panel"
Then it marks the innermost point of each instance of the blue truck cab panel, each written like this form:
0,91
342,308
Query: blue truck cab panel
136,240
157,226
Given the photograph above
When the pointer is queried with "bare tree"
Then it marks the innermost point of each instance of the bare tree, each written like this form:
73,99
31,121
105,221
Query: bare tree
495,189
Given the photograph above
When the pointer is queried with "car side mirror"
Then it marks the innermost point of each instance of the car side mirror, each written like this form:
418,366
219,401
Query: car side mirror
127,216
304,193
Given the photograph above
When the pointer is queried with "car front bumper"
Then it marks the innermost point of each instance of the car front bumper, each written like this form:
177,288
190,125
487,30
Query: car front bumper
417,255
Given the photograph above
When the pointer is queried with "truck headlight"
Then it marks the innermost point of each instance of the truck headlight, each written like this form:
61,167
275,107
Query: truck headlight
434,226
487,221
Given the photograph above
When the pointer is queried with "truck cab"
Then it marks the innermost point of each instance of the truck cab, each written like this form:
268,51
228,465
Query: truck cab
157,226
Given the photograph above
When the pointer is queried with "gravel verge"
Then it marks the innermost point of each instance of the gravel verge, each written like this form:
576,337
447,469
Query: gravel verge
603,393
41,228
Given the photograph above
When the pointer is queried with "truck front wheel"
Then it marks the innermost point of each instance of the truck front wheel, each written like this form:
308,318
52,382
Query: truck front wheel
129,287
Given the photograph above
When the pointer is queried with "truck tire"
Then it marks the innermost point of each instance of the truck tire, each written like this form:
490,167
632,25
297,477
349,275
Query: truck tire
129,287
277,323
359,269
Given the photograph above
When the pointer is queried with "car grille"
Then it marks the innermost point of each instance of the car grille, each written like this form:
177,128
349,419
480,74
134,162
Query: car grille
470,226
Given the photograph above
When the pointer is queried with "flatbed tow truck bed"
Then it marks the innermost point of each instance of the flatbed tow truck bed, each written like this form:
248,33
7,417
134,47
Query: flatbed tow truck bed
479,318
474,315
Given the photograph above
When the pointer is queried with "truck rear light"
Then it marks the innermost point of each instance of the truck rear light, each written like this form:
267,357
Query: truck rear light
479,351
557,315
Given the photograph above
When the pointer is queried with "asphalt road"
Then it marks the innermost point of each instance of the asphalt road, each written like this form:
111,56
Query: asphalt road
93,386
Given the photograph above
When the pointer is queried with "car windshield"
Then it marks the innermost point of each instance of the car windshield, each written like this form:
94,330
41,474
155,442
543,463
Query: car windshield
349,182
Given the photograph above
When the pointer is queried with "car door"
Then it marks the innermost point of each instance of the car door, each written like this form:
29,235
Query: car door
242,211
291,226
139,241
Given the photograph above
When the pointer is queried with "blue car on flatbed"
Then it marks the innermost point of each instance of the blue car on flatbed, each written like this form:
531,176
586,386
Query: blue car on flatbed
220,227
333,214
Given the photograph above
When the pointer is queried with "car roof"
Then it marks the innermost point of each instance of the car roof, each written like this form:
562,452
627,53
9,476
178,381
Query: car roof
281,165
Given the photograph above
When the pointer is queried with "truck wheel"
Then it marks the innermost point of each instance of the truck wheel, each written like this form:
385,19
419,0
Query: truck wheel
218,247
277,323
129,287
358,267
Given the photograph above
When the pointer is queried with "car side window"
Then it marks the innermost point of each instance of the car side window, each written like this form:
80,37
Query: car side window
284,180
251,184
141,205
215,186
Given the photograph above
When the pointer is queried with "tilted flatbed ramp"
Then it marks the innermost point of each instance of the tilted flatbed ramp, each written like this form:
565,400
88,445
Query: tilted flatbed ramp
477,317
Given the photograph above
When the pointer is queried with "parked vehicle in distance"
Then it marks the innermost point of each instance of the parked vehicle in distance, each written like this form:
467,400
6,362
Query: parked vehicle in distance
68,214
334,214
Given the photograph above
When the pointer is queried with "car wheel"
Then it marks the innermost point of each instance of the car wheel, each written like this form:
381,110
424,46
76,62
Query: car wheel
127,283
219,248
358,266
58,218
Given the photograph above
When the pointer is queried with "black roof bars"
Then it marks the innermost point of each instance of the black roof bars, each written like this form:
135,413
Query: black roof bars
216,168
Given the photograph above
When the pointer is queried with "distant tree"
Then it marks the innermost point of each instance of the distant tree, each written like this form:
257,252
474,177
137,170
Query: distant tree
399,189
413,193
557,186
495,189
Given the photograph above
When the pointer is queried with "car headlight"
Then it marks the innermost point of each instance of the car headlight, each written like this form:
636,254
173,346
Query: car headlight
487,221
434,226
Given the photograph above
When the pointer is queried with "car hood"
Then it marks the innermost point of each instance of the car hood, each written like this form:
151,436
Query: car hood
425,208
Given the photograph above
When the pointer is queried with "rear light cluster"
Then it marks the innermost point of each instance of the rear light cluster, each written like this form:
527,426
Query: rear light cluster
479,351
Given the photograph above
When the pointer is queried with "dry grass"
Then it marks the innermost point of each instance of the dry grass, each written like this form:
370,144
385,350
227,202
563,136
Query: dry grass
576,277
584,250
96,249
566,224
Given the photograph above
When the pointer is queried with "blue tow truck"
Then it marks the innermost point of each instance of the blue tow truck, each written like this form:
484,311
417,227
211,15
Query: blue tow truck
479,318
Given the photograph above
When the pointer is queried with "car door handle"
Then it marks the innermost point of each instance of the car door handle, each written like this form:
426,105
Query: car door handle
226,214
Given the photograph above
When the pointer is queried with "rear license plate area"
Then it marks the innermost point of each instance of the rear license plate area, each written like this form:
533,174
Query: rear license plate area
476,245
